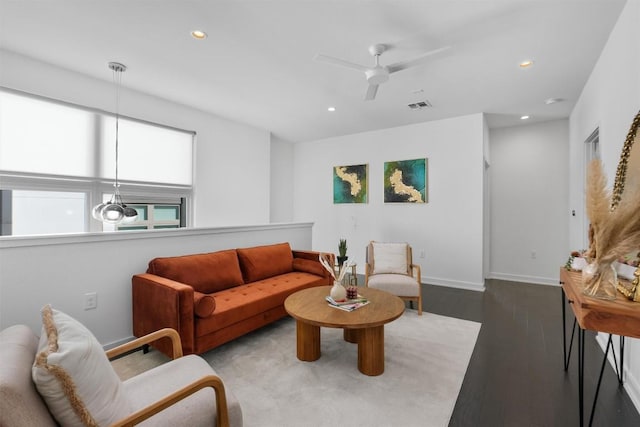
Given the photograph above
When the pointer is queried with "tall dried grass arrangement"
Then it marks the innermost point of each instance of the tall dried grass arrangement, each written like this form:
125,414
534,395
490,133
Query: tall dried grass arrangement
616,232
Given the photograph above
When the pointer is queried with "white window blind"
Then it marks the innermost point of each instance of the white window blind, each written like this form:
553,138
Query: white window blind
44,137
146,153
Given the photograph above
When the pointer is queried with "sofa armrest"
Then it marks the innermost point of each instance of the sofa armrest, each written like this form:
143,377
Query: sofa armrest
314,256
160,303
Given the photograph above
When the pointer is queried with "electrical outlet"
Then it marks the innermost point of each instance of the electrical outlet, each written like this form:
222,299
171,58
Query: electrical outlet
533,254
422,253
90,300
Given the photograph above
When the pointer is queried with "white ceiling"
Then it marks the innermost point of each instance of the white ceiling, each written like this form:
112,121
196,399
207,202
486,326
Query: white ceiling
257,64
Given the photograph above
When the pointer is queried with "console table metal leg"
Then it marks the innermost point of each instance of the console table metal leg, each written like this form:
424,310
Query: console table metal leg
619,370
566,357
564,331
581,374
604,362
621,373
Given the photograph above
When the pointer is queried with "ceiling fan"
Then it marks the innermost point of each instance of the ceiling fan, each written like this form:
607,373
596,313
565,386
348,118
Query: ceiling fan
379,73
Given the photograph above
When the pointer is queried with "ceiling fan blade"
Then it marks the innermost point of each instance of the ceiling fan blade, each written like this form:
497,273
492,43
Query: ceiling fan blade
403,65
371,93
340,62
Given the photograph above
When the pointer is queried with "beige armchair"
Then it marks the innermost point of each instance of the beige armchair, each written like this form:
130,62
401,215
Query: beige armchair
390,268
183,391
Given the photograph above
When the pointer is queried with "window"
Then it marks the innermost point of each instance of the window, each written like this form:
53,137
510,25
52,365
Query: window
155,217
57,160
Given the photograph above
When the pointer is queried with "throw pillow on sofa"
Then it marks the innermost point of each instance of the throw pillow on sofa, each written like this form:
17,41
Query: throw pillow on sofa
203,305
308,266
206,273
262,262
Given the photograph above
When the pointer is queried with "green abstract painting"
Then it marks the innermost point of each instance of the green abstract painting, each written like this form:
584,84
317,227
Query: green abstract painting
350,184
405,181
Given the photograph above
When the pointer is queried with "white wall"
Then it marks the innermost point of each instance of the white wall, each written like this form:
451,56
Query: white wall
449,229
610,100
231,159
529,201
281,180
59,270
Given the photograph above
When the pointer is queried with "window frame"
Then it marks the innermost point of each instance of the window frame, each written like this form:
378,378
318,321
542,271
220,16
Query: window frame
95,187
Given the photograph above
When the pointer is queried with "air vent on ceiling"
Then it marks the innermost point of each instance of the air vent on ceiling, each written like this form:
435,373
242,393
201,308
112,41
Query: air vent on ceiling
420,105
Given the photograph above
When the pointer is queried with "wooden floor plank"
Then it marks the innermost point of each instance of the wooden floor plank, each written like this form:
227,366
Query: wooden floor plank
516,376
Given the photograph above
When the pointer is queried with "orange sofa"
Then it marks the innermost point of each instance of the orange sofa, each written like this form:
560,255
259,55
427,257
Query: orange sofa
215,297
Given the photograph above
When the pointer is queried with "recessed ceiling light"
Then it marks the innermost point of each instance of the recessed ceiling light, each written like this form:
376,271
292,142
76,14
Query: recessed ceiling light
526,64
198,34
332,109
553,100
524,117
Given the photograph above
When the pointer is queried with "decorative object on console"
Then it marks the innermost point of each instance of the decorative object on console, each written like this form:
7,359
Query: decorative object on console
115,211
350,184
614,229
576,261
405,181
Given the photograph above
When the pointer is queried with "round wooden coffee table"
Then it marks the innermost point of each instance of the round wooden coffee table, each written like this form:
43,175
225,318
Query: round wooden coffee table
364,326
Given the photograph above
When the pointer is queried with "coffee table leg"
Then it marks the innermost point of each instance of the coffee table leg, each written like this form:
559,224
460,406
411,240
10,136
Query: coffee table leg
371,351
350,335
308,341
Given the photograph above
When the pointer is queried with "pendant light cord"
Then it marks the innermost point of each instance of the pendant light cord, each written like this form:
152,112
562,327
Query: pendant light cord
117,79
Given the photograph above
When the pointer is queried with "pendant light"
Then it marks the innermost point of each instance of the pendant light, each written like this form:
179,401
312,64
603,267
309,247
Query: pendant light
115,211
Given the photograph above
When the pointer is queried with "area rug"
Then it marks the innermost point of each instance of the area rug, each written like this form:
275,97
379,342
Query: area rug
426,358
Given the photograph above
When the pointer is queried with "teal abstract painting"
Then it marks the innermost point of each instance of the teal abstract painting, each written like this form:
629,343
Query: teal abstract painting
350,184
405,181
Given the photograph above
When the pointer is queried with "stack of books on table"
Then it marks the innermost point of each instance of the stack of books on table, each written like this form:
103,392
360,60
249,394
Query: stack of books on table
347,304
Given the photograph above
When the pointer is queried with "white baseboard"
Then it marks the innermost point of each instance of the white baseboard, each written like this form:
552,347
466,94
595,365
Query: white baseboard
470,286
631,383
526,279
114,344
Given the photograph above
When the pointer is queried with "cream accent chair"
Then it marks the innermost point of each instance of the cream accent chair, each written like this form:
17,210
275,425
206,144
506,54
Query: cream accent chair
160,390
390,268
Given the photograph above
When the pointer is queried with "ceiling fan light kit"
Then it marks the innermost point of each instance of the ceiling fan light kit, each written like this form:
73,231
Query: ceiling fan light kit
378,74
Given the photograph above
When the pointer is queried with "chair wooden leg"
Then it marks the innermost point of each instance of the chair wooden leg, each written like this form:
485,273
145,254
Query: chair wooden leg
420,306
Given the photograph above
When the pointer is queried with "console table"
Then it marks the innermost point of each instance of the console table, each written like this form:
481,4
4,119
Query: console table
618,317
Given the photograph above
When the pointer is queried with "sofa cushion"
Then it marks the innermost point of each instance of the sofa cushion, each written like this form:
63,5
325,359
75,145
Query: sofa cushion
206,273
308,266
261,262
74,376
242,302
203,304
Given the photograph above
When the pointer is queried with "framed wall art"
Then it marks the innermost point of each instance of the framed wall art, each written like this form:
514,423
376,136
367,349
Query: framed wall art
350,184
405,181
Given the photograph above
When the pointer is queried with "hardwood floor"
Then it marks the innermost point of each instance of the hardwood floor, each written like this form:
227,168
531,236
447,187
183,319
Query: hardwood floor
516,375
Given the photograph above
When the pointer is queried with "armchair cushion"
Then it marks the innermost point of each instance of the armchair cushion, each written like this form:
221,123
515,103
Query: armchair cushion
20,403
203,304
198,409
390,258
396,284
74,376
